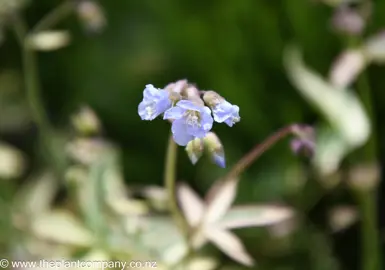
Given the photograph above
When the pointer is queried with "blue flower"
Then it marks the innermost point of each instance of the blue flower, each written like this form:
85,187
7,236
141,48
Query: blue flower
155,102
190,121
225,112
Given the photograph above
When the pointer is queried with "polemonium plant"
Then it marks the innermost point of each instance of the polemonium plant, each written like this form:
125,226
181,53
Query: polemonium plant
191,116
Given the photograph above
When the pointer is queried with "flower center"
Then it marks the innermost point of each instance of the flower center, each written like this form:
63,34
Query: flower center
150,109
235,119
193,118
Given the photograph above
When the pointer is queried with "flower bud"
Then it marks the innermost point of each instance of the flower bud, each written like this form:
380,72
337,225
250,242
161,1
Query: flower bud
91,15
215,149
192,93
86,122
88,151
349,21
177,87
304,143
174,97
12,162
364,177
194,150
341,217
212,98
76,174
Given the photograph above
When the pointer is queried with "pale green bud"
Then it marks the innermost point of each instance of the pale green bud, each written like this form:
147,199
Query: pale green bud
364,177
86,122
12,162
215,149
194,150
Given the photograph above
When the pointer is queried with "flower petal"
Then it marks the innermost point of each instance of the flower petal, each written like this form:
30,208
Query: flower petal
174,113
234,118
155,102
180,134
188,105
206,119
222,111
149,92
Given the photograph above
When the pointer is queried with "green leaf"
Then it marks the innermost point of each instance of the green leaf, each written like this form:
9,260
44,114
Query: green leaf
341,107
169,246
37,195
61,227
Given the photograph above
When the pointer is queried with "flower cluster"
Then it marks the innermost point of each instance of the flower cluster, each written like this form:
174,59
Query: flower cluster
192,112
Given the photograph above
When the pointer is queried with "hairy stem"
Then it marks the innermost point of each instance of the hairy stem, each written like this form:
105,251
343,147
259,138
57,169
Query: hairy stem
258,150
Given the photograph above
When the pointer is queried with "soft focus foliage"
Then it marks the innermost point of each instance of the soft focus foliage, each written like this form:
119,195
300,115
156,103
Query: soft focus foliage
83,177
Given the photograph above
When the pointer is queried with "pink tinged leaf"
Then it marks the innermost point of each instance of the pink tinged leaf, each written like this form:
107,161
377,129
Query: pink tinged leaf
255,216
221,200
192,206
374,48
347,67
230,244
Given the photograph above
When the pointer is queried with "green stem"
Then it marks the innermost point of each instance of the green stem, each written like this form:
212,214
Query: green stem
54,17
170,178
366,97
369,236
31,80
366,198
33,93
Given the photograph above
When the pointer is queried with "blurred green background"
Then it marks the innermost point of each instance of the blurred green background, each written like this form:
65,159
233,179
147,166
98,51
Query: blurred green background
232,47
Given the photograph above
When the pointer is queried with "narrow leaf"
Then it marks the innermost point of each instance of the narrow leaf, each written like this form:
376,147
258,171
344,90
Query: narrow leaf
49,40
374,48
342,108
192,206
221,201
255,215
230,244
347,67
